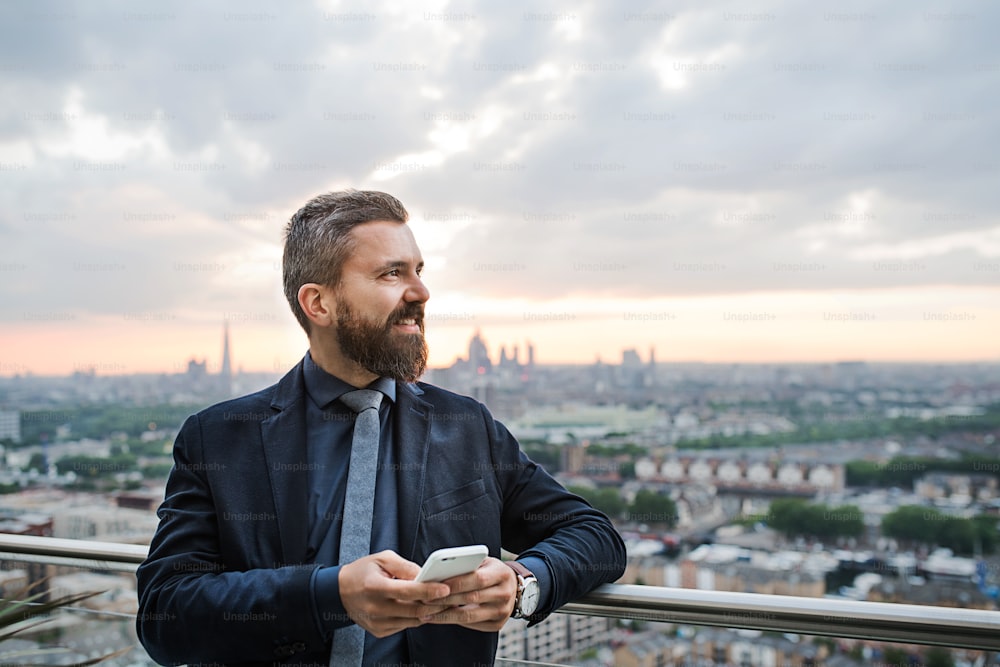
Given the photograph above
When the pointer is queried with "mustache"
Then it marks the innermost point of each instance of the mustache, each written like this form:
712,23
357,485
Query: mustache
414,311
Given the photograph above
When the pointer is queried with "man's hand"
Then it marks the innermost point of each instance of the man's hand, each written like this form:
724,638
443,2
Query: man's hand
481,600
379,595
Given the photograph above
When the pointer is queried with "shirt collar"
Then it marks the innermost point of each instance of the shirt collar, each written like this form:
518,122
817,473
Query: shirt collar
324,388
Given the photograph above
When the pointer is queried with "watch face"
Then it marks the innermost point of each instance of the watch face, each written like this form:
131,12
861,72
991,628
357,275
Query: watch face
529,597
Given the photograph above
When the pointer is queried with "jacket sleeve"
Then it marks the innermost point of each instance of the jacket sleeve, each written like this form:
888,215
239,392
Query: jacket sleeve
541,519
193,605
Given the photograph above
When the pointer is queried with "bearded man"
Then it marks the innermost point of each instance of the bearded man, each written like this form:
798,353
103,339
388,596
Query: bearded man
251,562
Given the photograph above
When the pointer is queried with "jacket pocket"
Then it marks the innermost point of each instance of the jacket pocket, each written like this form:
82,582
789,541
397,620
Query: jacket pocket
451,499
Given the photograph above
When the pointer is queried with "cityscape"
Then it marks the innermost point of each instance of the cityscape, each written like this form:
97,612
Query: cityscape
851,480
730,273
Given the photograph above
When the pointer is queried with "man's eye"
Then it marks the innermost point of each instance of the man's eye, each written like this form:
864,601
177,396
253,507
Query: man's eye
393,273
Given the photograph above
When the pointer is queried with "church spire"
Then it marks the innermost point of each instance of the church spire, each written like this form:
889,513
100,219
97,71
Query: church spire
226,373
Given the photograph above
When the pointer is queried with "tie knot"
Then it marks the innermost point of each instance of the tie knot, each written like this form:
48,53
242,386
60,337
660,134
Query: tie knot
362,399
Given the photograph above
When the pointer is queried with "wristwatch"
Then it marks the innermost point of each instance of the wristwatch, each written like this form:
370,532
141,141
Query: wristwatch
527,591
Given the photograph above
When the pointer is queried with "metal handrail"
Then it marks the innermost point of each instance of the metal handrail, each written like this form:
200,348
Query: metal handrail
917,624
78,553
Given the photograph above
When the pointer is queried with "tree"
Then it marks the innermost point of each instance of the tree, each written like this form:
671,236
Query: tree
937,656
988,532
793,516
912,523
841,521
38,462
893,655
610,502
652,507
926,525
607,500
544,455
959,535
790,516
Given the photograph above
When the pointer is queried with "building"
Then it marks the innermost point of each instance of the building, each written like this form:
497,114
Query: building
105,522
557,639
722,567
226,372
651,649
10,426
25,521
716,646
113,592
13,582
939,593
957,489
745,475
81,516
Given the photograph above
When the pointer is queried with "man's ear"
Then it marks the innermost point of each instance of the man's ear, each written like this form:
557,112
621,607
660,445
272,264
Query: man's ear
319,304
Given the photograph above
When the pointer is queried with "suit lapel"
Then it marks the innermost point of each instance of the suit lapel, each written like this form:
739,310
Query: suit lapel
284,440
412,438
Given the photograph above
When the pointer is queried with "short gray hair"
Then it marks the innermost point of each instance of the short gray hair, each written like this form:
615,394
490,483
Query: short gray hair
318,238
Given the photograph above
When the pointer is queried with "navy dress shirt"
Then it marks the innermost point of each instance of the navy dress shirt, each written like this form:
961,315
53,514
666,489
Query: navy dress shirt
329,431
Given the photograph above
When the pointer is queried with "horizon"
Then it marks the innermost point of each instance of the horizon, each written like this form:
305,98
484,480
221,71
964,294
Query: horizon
213,363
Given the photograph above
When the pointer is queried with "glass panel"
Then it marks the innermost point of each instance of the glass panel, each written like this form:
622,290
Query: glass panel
104,624
101,625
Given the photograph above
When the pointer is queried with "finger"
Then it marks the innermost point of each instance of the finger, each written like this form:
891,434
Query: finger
381,604
477,617
400,617
412,591
487,585
395,565
392,578
491,573
454,616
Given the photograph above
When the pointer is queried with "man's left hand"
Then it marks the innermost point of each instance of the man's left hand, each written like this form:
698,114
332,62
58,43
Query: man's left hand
482,600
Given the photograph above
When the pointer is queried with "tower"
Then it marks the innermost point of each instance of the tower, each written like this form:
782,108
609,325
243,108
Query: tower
226,372
651,374
479,358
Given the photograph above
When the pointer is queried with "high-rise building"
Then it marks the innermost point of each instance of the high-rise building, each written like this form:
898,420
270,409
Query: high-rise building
226,372
227,369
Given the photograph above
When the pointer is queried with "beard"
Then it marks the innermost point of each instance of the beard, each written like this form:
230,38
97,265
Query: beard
380,350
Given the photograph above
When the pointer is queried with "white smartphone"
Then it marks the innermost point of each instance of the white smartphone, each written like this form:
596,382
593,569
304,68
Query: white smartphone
451,562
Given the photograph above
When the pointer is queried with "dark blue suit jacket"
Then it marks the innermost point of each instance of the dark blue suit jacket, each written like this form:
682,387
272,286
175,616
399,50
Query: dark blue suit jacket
224,582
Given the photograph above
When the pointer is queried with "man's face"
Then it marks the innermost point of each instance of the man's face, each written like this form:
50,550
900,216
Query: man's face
380,302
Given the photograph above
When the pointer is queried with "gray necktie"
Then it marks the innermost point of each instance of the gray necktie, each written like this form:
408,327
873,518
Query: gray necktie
356,529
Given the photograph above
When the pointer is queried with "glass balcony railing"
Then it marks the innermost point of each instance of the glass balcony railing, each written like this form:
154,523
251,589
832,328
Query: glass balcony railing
956,628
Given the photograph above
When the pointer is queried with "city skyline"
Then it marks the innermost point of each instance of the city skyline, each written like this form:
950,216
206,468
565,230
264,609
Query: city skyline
721,184
227,364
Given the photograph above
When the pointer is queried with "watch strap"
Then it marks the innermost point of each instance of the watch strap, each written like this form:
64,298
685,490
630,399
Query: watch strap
519,568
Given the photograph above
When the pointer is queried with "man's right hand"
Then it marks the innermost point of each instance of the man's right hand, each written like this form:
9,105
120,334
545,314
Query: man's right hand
379,594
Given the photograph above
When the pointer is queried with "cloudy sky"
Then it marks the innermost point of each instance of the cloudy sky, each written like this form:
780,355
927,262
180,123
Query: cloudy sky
770,181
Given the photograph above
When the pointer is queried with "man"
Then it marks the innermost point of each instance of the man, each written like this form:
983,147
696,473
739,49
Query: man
246,567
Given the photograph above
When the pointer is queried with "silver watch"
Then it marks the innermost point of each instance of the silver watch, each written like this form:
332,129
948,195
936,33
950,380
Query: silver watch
527,591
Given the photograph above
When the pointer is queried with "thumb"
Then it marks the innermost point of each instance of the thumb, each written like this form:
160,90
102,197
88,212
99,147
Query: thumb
396,566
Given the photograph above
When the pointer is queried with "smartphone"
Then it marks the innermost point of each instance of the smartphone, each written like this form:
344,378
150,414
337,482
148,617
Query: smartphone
451,562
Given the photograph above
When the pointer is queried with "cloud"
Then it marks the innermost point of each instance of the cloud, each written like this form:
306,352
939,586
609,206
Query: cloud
580,150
